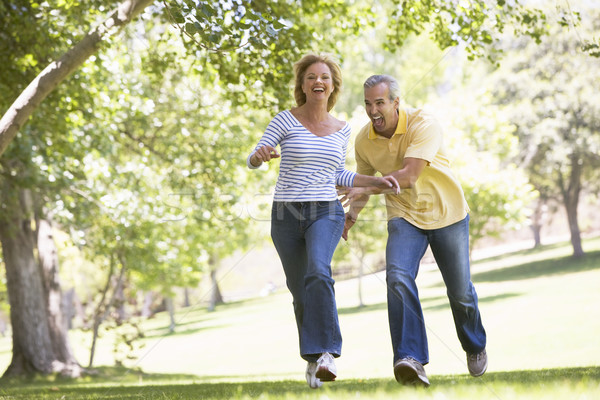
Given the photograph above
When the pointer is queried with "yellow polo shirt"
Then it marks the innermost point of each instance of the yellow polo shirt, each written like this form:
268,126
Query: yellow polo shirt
437,199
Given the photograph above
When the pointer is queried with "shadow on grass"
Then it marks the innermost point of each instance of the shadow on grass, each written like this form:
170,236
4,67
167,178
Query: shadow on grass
150,386
488,299
116,375
439,303
381,306
200,321
558,266
362,309
524,252
164,331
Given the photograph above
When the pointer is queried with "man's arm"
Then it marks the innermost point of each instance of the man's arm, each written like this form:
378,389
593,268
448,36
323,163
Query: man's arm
358,197
410,172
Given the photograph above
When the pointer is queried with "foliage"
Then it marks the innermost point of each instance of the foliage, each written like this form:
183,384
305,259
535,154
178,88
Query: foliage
477,25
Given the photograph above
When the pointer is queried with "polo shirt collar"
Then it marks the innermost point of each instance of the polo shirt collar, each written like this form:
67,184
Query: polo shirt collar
400,128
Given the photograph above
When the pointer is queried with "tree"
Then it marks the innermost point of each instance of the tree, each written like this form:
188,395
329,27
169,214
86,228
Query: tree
551,94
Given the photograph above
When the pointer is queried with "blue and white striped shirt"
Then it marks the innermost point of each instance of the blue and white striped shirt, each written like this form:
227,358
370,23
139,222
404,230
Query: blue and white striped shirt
311,166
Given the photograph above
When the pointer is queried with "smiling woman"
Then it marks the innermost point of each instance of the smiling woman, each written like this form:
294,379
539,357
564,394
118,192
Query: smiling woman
307,219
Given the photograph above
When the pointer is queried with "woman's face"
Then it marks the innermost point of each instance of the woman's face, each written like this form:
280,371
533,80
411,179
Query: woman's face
318,82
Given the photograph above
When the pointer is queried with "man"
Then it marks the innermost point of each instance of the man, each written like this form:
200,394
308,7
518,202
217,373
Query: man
430,210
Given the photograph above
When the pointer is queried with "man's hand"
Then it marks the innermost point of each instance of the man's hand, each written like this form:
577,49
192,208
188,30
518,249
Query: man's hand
387,183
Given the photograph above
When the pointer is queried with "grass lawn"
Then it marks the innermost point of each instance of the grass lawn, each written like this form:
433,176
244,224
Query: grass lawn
539,308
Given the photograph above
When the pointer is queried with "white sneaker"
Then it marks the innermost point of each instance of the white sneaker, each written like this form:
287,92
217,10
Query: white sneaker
313,381
326,369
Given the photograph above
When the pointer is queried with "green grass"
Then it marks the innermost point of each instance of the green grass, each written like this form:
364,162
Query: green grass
539,308
114,383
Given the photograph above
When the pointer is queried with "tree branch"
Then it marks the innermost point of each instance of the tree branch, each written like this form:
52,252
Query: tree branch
47,80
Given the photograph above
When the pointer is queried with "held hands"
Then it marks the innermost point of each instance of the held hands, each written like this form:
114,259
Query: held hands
381,184
357,197
387,182
264,154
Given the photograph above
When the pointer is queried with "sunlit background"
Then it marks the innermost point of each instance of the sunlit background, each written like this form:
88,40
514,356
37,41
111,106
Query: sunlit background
162,233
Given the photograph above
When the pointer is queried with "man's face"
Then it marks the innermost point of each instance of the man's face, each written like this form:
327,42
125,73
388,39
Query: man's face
382,111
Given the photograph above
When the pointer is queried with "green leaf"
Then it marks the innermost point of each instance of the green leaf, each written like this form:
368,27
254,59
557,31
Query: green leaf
278,25
207,10
190,28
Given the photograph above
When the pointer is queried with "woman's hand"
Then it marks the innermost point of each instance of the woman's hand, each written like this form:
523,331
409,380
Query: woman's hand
264,154
351,194
348,223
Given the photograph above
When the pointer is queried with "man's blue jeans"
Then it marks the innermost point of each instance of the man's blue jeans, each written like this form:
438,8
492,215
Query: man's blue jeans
450,247
305,235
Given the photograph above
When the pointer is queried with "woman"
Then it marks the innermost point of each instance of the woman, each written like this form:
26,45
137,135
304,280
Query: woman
307,218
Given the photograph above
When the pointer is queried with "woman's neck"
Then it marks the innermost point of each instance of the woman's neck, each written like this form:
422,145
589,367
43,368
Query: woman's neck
314,112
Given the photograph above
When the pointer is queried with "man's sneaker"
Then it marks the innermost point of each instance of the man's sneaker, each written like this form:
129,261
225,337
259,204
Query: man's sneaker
477,363
409,371
326,370
313,381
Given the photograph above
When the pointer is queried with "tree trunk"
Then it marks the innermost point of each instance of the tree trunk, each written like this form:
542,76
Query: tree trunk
48,256
147,306
571,207
570,194
537,221
215,296
119,302
171,311
186,297
33,350
57,71
362,260
104,306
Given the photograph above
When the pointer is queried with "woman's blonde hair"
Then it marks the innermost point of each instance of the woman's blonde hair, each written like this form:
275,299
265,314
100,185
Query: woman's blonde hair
300,70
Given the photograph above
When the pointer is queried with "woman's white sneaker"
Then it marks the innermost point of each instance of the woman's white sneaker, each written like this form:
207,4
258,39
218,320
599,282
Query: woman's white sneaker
326,369
311,379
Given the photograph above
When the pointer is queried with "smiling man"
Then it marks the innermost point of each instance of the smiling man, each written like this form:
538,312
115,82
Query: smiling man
430,210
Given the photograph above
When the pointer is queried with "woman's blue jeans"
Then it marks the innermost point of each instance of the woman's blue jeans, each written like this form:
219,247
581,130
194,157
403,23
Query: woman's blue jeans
450,247
305,235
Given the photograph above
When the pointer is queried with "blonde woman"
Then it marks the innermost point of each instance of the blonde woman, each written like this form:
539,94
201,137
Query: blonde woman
307,219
